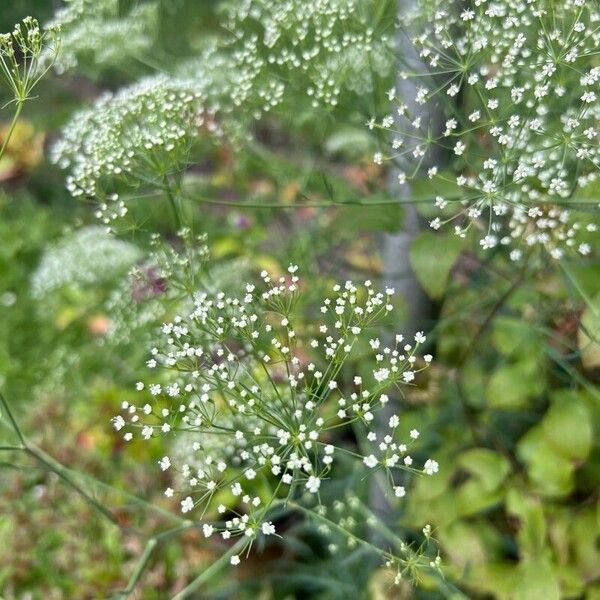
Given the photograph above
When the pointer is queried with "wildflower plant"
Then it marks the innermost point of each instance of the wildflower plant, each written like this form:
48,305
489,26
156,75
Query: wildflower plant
138,136
155,128
96,32
257,410
163,283
20,64
250,398
329,44
260,410
516,85
88,257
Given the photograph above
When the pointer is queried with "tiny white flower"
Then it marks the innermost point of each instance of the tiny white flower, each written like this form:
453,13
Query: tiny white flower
187,505
399,491
313,484
268,528
370,461
207,530
430,467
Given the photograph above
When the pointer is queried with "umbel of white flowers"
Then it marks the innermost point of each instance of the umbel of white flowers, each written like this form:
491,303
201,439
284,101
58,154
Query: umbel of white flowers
256,405
277,52
100,29
518,85
86,257
20,57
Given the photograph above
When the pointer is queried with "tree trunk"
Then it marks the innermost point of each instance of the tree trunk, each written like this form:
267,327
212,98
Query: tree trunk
397,270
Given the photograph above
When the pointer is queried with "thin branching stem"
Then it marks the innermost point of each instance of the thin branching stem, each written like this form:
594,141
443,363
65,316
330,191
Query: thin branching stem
13,422
11,129
211,571
144,559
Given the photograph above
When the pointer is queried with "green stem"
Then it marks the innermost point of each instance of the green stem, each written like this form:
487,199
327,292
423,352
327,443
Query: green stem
11,130
301,205
16,428
63,473
491,315
211,571
47,461
173,203
340,529
149,549
447,589
139,570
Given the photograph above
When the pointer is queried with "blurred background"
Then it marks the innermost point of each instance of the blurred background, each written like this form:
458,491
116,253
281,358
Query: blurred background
510,408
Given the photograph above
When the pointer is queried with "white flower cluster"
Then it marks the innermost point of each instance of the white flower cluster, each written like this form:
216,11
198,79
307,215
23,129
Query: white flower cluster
21,54
258,406
89,256
136,305
146,129
97,31
518,85
142,300
137,136
329,43
26,38
345,522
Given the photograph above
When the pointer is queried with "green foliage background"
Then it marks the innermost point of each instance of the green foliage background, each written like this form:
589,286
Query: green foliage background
510,411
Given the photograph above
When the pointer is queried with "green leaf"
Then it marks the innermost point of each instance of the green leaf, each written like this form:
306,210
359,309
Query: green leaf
488,466
469,543
567,425
512,385
584,532
532,524
550,473
516,337
432,257
509,333
571,583
496,579
538,581
473,497
583,281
